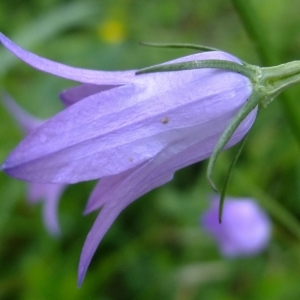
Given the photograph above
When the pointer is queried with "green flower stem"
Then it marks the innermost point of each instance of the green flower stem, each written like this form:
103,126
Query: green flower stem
276,79
274,208
256,32
285,70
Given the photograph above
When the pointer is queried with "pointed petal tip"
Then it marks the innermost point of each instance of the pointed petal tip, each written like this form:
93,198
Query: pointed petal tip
68,72
2,167
86,211
55,233
26,121
53,229
81,275
6,169
90,207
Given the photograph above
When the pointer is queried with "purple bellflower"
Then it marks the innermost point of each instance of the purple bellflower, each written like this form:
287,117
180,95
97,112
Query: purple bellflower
49,193
245,228
132,131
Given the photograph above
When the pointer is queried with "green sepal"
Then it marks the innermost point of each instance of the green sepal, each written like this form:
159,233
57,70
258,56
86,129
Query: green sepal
180,46
228,176
246,70
251,103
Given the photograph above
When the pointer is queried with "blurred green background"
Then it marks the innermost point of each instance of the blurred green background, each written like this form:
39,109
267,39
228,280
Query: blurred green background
155,249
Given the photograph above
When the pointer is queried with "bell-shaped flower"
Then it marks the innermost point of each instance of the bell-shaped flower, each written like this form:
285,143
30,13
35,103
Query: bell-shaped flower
245,228
132,131
49,193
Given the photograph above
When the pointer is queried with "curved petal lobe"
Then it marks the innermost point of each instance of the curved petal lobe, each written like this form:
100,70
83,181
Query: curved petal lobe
61,70
77,93
120,128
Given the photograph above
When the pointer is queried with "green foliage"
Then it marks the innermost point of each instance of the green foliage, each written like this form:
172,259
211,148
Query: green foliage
156,248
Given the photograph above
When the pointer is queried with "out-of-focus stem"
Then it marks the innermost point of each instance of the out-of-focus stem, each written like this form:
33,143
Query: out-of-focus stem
275,208
268,56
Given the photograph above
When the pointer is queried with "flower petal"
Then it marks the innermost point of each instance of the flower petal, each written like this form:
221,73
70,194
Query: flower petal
50,209
116,192
128,186
47,193
176,157
245,228
77,93
50,195
101,192
26,121
118,129
58,69
101,77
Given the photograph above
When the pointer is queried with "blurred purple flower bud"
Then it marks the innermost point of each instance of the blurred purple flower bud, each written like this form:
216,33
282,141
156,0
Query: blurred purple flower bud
132,131
245,228
47,192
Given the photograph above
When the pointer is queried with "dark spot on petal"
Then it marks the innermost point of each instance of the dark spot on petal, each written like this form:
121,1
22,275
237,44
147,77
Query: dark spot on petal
165,120
130,159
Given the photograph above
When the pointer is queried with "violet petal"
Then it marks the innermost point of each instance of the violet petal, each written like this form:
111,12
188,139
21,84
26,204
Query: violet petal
125,126
27,122
77,93
116,192
128,186
47,193
245,228
58,69
50,195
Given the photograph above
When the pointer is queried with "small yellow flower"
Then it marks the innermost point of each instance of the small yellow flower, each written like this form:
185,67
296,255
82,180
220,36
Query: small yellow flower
112,31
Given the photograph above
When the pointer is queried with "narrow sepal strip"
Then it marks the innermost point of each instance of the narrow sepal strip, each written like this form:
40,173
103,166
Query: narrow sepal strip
179,46
228,176
253,101
201,64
